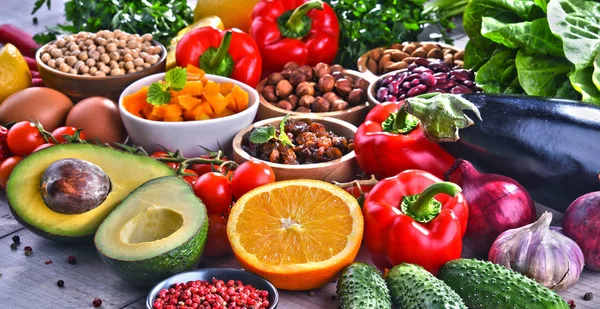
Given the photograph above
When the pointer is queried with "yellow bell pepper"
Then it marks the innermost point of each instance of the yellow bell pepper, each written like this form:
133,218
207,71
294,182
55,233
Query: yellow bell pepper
208,21
233,13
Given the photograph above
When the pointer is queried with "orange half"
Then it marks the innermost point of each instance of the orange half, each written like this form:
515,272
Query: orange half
298,234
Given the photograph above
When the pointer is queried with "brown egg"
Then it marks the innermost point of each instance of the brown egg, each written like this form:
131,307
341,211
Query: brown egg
99,118
46,105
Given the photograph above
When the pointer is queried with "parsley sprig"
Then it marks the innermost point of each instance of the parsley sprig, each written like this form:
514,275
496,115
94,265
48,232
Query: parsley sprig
265,134
159,93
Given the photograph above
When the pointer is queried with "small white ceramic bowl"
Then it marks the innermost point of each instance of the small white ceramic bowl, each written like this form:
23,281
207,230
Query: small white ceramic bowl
186,136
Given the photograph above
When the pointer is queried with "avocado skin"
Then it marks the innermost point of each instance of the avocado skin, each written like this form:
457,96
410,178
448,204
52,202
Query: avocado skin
484,285
361,286
151,271
413,287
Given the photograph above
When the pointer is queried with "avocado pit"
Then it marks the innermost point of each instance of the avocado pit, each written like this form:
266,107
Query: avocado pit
74,186
151,225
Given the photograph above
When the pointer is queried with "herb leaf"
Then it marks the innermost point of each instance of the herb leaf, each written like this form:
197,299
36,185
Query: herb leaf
176,78
158,94
263,134
282,136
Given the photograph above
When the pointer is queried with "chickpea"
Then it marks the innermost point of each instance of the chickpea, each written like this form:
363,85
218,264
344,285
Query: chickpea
105,69
116,72
74,47
84,69
152,59
94,54
100,73
107,34
71,60
138,62
68,39
60,43
134,53
90,62
45,58
93,70
114,65
121,44
147,65
131,71
85,74
78,65
64,68
101,49
138,69
92,48
143,55
121,64
127,58
129,65
81,45
73,71
55,53
52,63
101,41
59,61
147,37
105,58
75,53
83,56
114,56
132,44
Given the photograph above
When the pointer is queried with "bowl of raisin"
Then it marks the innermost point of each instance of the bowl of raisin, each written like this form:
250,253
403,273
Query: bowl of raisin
300,147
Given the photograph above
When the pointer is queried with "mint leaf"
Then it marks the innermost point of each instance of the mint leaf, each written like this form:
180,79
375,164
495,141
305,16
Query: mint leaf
158,94
263,134
176,78
282,136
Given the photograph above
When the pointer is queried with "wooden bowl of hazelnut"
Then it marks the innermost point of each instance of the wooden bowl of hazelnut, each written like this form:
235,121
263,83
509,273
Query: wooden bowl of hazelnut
321,91
99,64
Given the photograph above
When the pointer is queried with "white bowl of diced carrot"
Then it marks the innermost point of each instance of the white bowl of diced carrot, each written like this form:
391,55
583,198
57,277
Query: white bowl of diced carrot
209,111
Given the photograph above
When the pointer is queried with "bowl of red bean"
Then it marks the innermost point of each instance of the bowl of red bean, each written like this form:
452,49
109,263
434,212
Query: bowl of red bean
422,76
102,63
310,147
213,288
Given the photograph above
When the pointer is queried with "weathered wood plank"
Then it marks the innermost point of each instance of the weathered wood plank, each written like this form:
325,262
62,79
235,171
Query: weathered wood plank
8,224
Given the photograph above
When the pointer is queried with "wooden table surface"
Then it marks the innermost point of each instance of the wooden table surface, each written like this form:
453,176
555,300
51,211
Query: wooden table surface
28,282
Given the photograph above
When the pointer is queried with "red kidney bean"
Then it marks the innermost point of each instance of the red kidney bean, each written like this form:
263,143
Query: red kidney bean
469,83
438,90
460,89
406,85
394,88
460,75
411,77
447,85
420,89
422,70
422,62
382,94
412,66
415,82
392,98
439,67
428,79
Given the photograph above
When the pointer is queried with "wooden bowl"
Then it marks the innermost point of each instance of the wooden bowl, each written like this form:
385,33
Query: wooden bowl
343,169
361,64
355,115
78,87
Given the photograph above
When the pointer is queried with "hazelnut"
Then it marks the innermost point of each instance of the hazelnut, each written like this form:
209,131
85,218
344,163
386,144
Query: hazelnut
286,74
302,110
343,87
308,71
284,88
331,97
339,105
305,88
306,101
356,97
290,66
284,105
338,75
268,92
361,83
297,77
292,98
320,105
336,68
322,69
326,83
274,78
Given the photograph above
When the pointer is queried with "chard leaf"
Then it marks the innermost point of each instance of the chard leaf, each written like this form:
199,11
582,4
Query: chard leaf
514,87
543,4
541,76
497,74
577,23
533,36
582,82
479,50
596,75
508,11
567,91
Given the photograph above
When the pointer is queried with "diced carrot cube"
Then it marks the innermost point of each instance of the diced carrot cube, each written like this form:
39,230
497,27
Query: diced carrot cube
202,117
192,69
173,111
159,111
212,89
225,113
226,88
193,88
136,102
231,103
188,102
241,98
218,102
204,80
174,119
207,108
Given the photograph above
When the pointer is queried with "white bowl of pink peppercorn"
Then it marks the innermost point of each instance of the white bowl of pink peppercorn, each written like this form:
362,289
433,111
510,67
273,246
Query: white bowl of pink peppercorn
262,293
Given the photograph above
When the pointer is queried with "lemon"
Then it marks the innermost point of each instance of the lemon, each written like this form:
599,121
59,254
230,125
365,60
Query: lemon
14,72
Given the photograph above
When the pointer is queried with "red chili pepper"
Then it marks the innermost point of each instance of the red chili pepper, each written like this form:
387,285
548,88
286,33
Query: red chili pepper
391,141
302,31
414,217
230,53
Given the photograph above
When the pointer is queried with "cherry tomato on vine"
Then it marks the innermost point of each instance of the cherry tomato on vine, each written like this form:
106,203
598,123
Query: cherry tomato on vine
23,138
42,146
6,167
215,192
217,243
250,175
160,154
190,179
202,169
68,130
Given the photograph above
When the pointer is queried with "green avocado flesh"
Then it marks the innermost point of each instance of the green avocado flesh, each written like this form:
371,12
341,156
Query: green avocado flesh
361,287
484,285
157,231
124,170
413,287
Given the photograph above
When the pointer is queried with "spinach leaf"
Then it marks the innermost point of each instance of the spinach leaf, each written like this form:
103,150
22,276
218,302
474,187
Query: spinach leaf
533,36
543,4
478,51
508,11
499,72
582,82
514,87
596,75
541,75
577,23
566,91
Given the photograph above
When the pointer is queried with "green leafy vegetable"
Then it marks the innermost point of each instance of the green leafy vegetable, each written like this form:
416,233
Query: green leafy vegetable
541,76
582,82
499,72
264,134
507,11
159,93
478,51
162,18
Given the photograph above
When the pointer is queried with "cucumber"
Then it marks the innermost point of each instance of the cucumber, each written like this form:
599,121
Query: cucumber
484,285
361,287
413,287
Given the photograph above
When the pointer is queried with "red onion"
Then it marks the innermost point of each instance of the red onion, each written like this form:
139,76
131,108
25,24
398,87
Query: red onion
541,253
496,204
582,224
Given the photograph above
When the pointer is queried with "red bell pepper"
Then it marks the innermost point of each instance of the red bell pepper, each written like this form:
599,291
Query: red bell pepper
391,141
230,53
414,217
302,31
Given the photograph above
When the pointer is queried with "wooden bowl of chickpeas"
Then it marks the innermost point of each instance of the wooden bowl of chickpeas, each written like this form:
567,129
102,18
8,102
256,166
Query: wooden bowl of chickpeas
104,63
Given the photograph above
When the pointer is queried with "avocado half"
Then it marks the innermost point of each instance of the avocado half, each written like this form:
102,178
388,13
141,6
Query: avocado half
125,172
157,231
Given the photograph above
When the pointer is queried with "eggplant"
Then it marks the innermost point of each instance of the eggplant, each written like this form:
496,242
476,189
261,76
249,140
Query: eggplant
550,146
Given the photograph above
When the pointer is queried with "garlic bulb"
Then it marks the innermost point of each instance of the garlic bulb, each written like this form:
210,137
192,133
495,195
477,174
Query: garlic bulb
539,252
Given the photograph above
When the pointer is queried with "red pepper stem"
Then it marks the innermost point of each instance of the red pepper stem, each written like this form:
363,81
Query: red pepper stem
400,122
424,207
222,51
295,22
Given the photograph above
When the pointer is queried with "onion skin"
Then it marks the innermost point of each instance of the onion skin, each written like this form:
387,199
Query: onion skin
541,253
582,224
496,204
